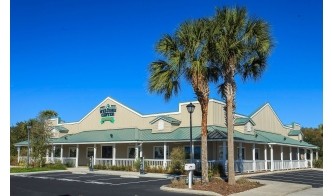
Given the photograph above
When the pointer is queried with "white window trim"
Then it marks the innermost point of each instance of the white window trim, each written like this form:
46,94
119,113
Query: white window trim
69,151
243,154
128,147
167,150
87,150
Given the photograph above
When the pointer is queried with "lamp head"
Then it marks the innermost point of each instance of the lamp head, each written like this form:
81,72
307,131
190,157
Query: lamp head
190,107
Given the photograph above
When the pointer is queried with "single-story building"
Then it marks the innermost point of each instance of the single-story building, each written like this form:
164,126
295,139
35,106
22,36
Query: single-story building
115,134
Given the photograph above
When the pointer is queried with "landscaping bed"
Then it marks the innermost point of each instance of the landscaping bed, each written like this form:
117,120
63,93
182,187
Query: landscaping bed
218,185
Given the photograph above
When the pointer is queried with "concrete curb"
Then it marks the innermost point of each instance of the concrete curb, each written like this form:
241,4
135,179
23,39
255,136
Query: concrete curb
189,191
39,172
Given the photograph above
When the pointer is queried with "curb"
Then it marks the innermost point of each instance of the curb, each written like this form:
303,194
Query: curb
39,172
189,191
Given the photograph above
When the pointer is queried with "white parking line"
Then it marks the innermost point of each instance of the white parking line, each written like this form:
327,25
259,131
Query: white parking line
140,182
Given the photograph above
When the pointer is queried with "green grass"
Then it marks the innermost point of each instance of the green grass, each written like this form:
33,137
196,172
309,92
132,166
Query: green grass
35,169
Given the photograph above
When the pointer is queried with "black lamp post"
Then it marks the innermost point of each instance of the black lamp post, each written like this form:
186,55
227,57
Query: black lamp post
191,108
28,128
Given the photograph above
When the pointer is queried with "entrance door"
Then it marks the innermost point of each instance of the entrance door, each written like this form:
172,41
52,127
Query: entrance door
107,152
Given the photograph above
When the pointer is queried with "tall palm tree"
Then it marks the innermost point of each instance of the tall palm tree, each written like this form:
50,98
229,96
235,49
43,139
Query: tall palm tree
185,54
241,47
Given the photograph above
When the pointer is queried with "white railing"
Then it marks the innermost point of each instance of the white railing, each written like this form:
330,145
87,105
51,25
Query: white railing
124,162
260,165
277,164
157,162
104,161
287,164
303,163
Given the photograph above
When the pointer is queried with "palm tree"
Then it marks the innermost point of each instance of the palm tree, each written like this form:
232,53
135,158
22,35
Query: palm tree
241,47
185,54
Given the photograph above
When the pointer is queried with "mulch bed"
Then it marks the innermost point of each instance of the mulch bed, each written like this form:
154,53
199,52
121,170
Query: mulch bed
218,185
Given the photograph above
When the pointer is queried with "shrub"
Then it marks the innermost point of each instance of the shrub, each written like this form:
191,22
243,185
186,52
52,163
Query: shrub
13,160
318,163
177,160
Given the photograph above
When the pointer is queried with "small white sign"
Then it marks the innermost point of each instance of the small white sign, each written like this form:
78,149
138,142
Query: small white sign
189,166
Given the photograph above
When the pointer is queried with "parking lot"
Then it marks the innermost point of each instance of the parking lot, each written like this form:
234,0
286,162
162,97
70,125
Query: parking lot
67,183
310,177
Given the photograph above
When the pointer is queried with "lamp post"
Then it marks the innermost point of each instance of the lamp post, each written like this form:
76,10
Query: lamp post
28,128
191,108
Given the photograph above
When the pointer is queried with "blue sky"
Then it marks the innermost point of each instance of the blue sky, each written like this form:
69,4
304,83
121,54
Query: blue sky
69,56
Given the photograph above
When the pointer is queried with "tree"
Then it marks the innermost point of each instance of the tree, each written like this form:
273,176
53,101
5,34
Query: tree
18,133
241,46
185,54
314,136
40,135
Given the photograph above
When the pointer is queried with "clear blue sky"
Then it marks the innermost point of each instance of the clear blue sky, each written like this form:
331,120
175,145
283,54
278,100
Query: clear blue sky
68,56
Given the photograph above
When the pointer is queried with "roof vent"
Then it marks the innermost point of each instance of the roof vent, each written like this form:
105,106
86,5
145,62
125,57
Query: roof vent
256,135
285,138
111,135
65,137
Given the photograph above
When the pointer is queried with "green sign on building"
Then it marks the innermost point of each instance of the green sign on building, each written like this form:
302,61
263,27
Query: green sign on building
107,113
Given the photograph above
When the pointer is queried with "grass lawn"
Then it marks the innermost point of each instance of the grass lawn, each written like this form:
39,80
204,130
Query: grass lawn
34,169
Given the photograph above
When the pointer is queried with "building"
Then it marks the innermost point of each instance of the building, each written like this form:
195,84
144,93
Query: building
114,134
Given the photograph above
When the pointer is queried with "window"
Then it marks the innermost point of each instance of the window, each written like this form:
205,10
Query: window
158,152
243,153
131,152
257,154
248,127
57,151
197,152
89,152
221,152
106,152
72,151
160,125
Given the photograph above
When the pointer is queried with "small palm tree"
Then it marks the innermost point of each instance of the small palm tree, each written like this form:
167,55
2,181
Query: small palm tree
185,54
241,47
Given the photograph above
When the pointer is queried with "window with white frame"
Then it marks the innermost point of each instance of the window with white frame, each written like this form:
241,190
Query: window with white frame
221,152
57,151
248,127
243,153
197,152
72,151
158,152
161,125
131,152
89,152
257,154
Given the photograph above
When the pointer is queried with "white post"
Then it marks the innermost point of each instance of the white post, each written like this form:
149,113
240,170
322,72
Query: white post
224,151
18,154
47,153
253,157
77,152
298,157
52,154
271,154
61,154
136,151
240,157
265,157
316,154
114,154
165,150
282,156
311,157
291,157
94,153
305,158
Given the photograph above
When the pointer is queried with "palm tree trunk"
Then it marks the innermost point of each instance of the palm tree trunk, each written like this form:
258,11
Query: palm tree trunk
230,139
204,107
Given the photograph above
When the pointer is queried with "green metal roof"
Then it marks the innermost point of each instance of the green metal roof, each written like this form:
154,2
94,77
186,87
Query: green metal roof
167,119
61,129
179,134
294,132
243,121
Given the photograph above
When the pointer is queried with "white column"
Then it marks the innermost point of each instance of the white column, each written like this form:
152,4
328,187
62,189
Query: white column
114,154
94,153
305,158
291,157
316,154
136,151
224,151
311,157
282,156
253,157
165,150
47,153
298,157
61,153
265,157
52,154
271,154
18,154
240,157
77,153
